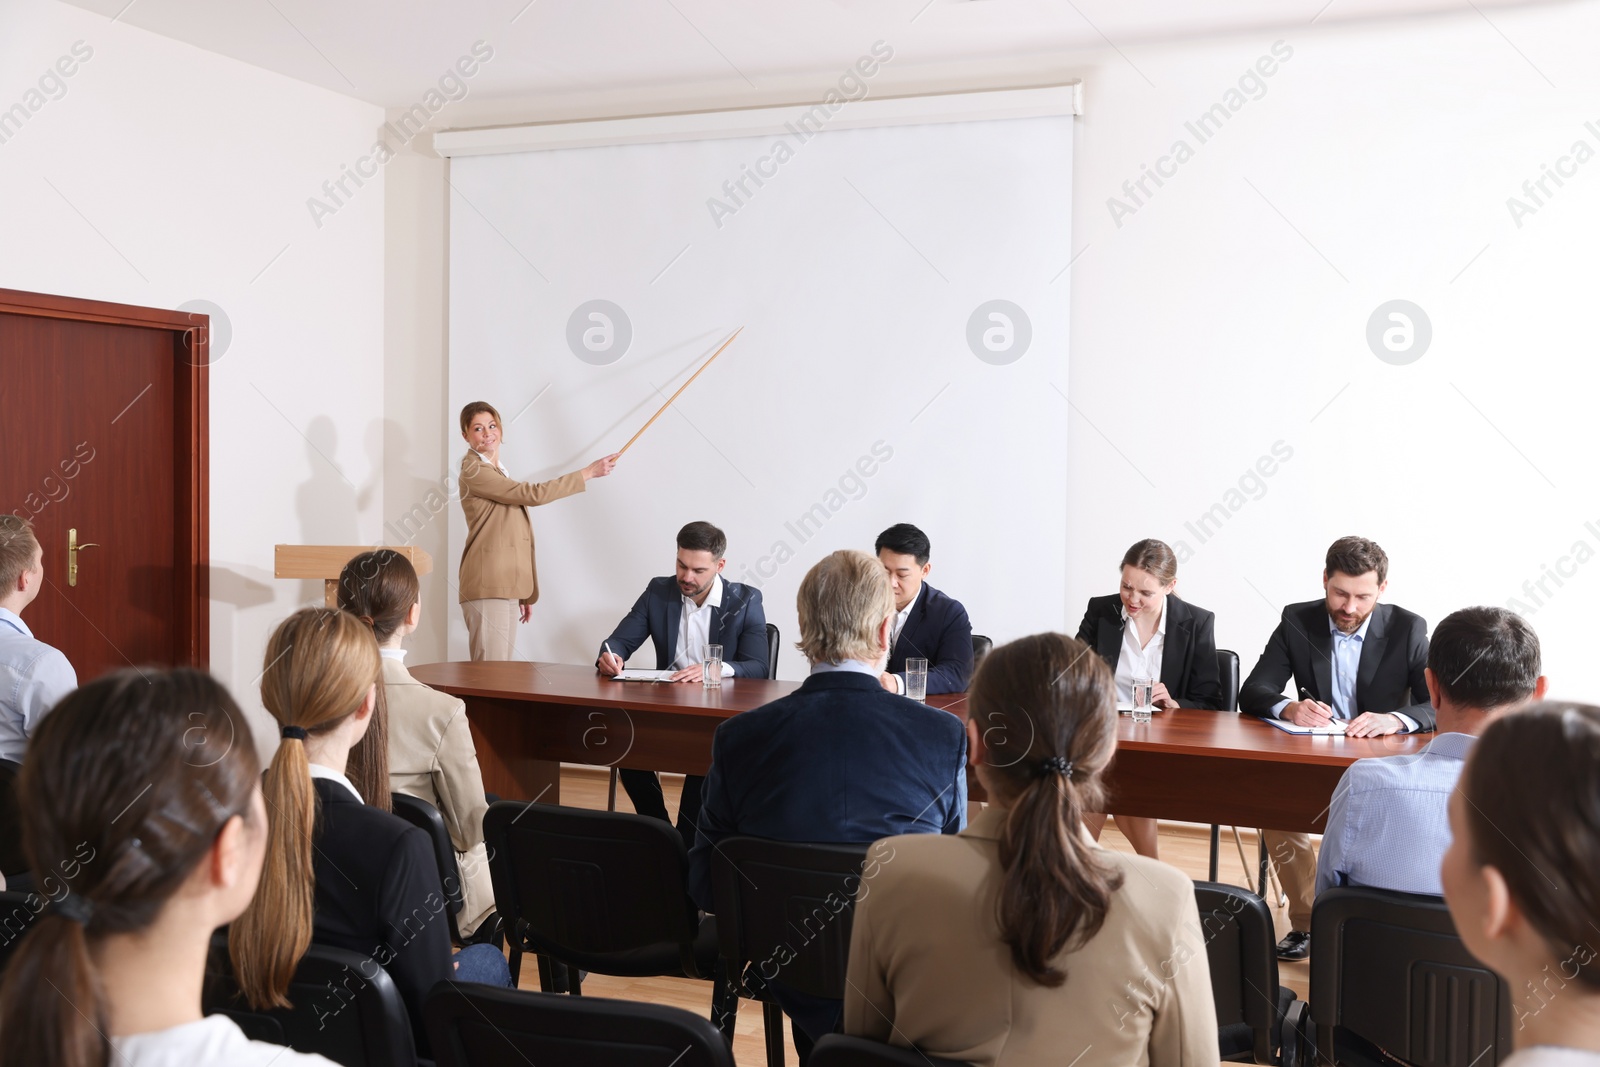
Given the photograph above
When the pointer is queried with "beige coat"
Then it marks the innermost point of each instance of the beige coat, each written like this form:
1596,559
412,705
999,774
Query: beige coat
431,756
928,968
497,562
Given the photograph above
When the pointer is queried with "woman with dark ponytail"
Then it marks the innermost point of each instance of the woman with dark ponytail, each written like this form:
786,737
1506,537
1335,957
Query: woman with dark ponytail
1020,940
339,871
142,815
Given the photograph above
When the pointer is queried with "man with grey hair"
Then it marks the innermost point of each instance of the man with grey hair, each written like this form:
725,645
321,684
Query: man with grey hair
840,759
33,675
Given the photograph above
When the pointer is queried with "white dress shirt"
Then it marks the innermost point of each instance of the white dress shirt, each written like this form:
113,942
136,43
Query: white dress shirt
33,678
694,630
319,771
900,618
216,1039
1135,662
495,463
393,653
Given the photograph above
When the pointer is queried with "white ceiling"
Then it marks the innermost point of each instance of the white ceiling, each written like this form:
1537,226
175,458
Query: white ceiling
390,52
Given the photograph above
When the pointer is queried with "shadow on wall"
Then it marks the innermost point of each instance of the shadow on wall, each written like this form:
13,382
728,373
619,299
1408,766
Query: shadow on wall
417,512
326,502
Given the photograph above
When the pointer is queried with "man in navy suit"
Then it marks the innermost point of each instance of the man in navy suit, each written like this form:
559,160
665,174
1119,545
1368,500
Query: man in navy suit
927,624
1351,659
839,760
682,614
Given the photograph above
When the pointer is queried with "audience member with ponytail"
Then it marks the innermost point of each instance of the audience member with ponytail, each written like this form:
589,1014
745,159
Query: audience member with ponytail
1020,940
144,821
338,871
430,750
1522,875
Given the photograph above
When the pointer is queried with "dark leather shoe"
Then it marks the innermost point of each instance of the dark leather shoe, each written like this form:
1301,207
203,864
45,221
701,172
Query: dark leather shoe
1296,945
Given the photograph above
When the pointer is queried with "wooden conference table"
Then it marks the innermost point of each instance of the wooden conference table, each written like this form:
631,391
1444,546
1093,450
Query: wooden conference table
1194,766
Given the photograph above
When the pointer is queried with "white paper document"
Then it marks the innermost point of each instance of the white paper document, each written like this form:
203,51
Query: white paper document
632,674
1334,727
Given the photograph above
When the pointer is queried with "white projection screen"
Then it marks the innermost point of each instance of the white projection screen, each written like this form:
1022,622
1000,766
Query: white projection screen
903,294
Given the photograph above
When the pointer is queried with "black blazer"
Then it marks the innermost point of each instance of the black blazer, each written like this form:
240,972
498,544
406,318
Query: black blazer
1188,654
938,631
378,894
1389,677
739,626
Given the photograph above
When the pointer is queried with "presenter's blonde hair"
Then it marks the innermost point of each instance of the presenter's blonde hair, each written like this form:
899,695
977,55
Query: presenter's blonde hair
843,601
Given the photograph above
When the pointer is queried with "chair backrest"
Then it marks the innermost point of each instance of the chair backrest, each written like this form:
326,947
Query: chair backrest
837,1050
772,651
1241,950
426,817
980,648
12,859
1228,671
784,910
591,888
478,1024
1390,969
346,1008
17,914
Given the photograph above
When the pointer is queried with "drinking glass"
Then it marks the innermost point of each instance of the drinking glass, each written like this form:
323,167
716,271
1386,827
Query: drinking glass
1143,706
712,667
917,679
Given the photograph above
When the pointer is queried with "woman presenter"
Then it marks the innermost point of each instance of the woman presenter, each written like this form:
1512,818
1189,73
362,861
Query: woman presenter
499,581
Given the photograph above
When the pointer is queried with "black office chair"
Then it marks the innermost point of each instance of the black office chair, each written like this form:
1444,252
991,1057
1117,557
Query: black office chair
837,1050
1391,978
770,895
1228,671
346,1007
471,1025
981,646
1241,951
599,891
426,817
17,914
13,861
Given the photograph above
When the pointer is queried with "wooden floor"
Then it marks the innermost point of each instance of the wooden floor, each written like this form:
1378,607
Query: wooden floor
1185,847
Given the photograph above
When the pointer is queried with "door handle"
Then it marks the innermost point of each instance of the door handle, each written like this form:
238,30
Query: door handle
73,548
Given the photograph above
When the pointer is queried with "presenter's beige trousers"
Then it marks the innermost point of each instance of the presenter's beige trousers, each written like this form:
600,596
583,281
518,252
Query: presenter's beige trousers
491,628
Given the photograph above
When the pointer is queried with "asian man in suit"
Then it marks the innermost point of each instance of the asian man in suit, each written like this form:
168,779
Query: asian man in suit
1353,659
682,614
927,624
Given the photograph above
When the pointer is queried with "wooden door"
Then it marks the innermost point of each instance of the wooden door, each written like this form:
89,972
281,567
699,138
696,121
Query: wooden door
104,410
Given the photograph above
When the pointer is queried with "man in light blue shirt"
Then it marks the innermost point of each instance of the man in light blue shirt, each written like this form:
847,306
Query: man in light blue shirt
1387,824
33,676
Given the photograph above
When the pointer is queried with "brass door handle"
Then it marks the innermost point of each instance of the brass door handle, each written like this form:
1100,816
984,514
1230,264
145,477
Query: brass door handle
72,554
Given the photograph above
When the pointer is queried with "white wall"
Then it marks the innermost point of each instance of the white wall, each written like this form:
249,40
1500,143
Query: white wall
196,170
1206,328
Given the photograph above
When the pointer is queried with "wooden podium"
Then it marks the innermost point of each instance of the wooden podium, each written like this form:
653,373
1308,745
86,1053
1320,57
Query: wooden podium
326,561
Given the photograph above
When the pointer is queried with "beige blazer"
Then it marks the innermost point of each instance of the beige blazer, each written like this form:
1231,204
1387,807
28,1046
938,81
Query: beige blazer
431,756
928,968
497,562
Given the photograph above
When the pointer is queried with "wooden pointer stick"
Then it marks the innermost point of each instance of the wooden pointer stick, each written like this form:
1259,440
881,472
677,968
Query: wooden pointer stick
681,388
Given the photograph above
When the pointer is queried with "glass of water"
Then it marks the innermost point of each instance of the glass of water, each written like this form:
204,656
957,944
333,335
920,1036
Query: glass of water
711,667
917,679
1143,705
